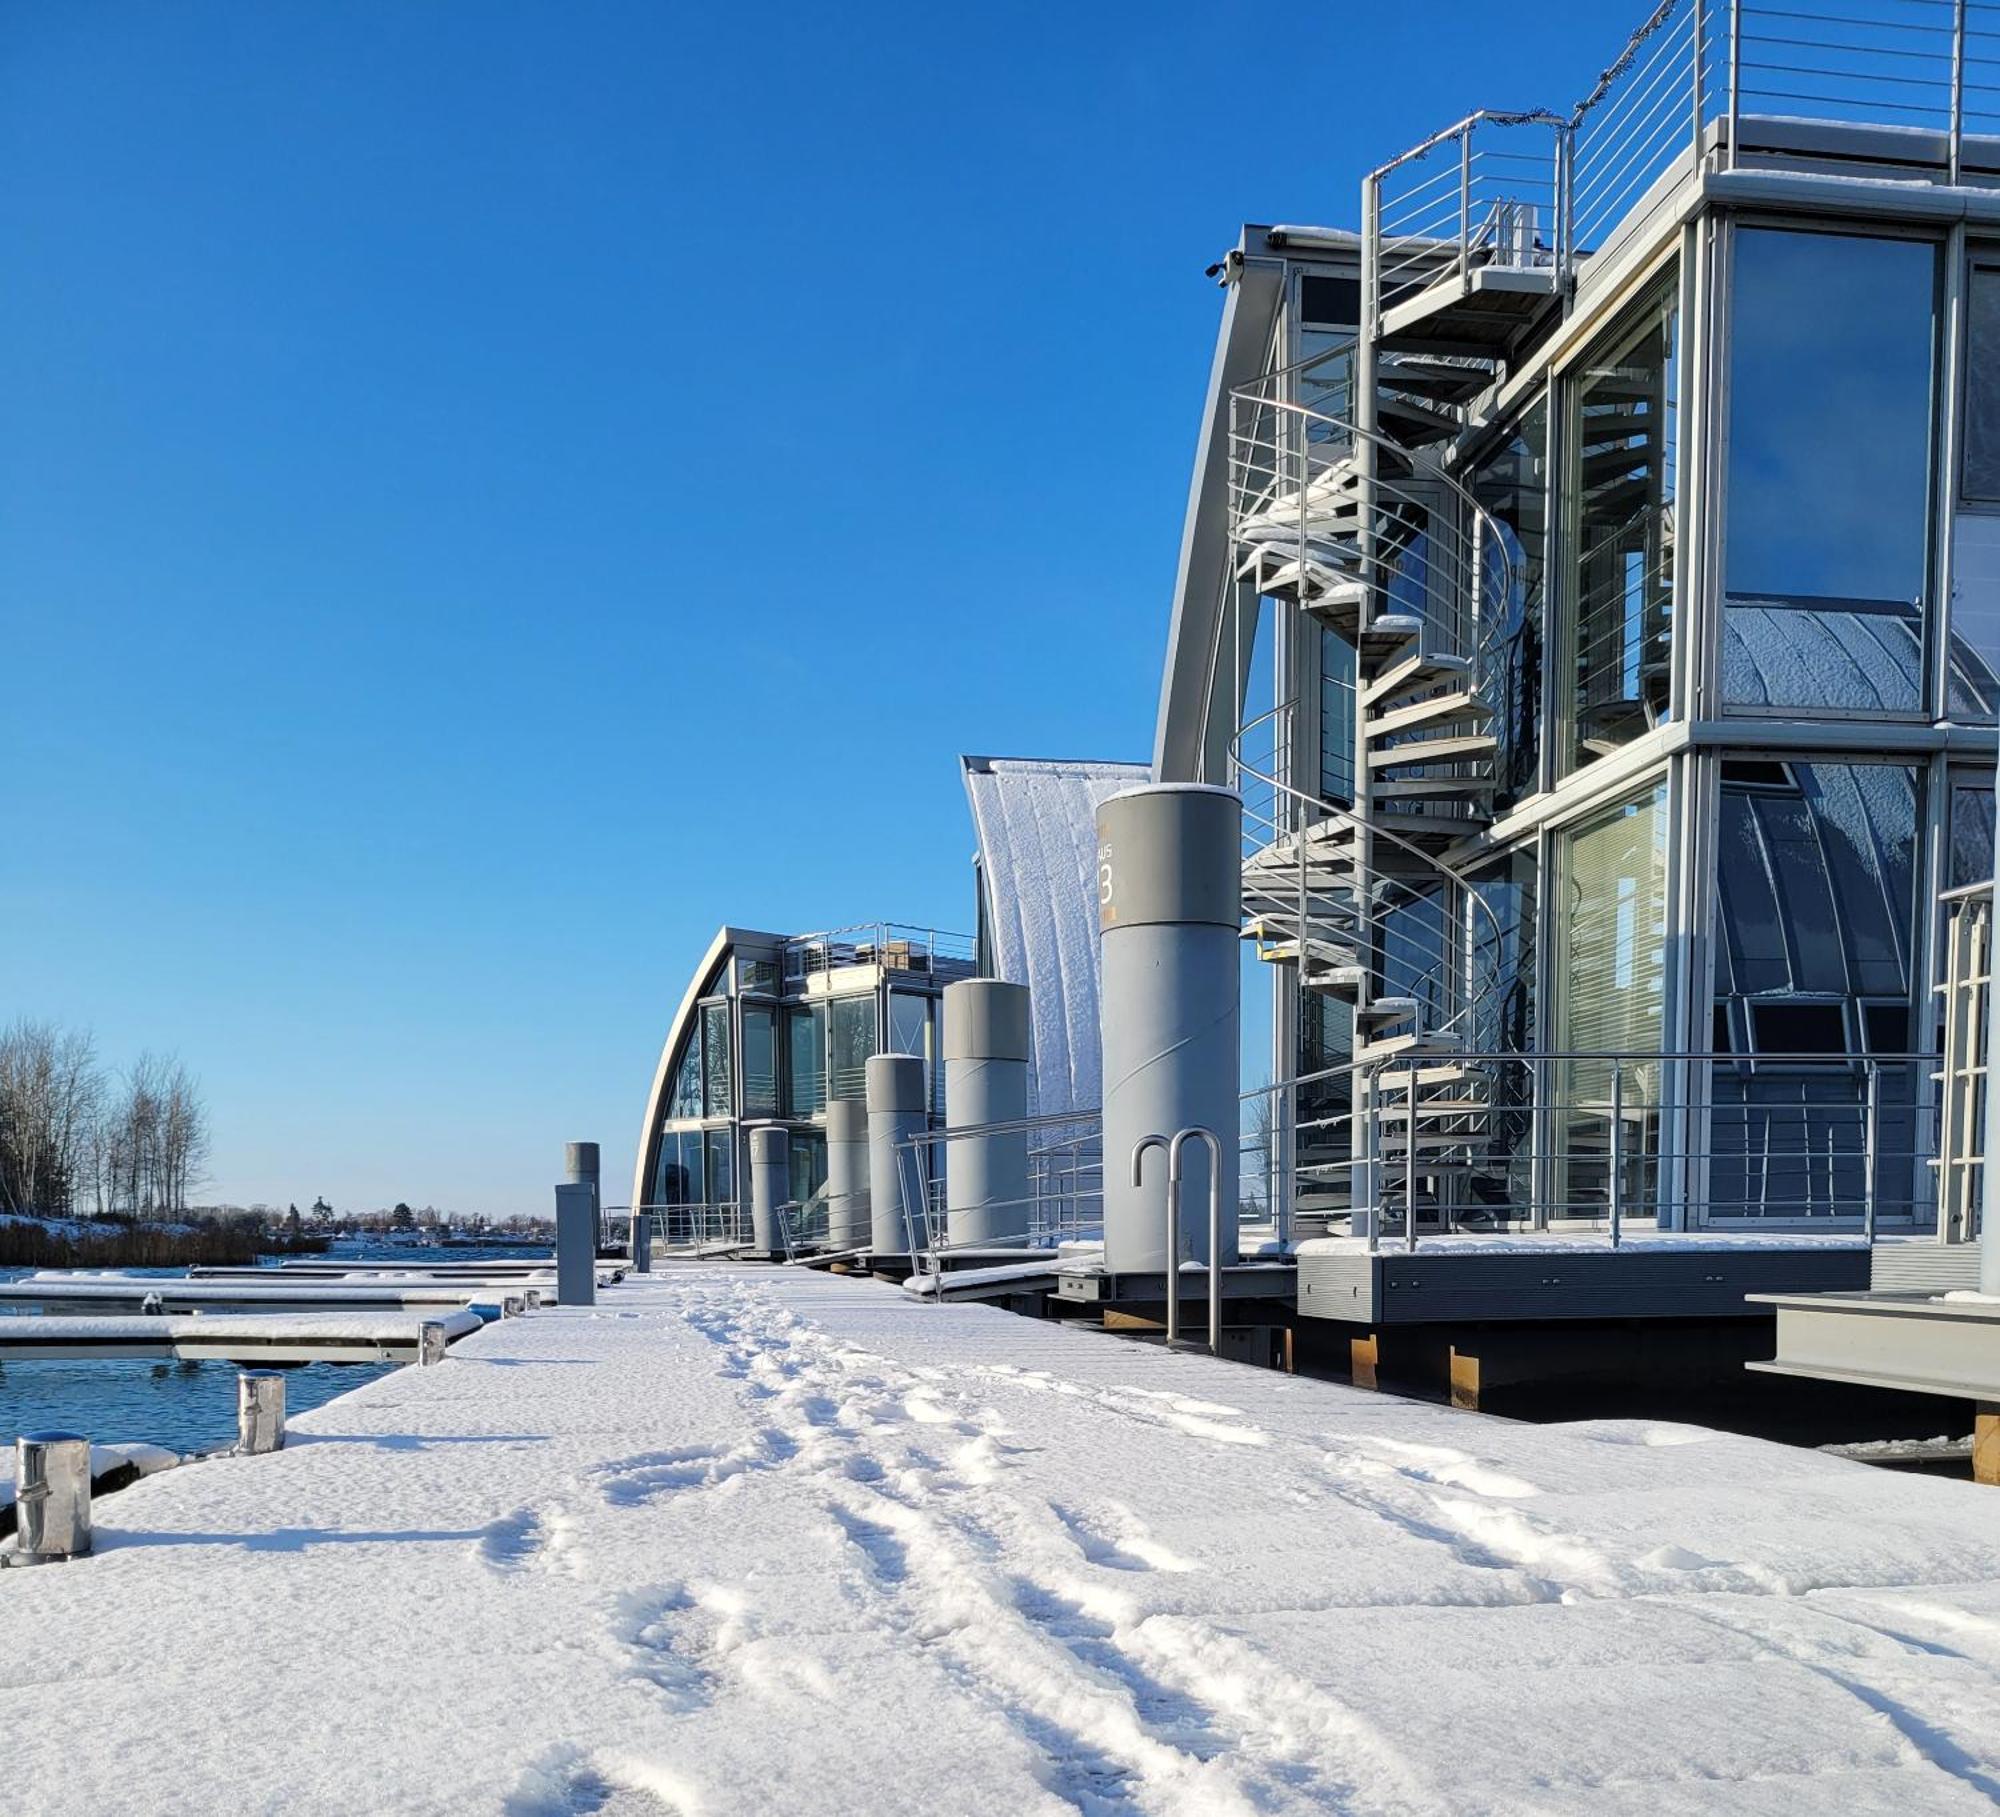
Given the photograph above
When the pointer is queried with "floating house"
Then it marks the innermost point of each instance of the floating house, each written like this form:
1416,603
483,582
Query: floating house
1591,584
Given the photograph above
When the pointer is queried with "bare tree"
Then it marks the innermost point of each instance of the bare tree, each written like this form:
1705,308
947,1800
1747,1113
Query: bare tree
51,1092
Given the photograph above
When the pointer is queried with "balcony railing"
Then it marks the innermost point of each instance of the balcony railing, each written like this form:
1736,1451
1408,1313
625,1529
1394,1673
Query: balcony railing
1544,192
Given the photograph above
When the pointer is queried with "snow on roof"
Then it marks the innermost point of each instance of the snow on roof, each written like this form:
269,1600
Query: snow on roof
738,1540
1037,826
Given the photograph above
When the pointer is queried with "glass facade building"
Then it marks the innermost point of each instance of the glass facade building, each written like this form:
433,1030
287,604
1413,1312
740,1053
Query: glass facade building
1628,585
771,1027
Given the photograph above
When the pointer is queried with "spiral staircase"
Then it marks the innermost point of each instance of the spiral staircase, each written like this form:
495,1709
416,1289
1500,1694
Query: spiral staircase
1366,532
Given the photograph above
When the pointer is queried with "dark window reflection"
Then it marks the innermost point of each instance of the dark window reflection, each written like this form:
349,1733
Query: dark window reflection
1622,478
1831,351
1816,913
1512,483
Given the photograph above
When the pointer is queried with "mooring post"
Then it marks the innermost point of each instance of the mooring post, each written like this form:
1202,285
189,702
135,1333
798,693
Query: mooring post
640,1247
1170,900
260,1411
576,1244
430,1343
51,1496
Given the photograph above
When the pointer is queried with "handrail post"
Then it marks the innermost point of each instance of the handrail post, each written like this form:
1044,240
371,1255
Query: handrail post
1735,79
1871,1147
1213,1142
1410,1163
1173,1223
1465,210
1700,73
1617,1150
1957,86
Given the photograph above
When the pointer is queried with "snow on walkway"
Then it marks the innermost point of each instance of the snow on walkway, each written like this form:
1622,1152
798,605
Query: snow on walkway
752,1540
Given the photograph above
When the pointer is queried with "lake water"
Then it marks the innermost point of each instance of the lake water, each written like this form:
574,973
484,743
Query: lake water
183,1406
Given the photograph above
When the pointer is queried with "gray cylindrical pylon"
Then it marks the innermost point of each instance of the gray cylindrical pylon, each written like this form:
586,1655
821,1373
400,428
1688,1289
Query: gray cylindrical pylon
986,1049
580,1166
770,1186
1170,896
846,1174
896,1111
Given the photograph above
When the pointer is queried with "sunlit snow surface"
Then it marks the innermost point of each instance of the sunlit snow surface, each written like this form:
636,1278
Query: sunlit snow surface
742,1541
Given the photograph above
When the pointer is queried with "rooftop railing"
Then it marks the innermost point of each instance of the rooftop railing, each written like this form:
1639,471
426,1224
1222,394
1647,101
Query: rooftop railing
890,944
1544,191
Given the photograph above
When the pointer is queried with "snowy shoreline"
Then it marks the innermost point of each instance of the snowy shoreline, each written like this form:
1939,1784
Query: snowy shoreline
740,1540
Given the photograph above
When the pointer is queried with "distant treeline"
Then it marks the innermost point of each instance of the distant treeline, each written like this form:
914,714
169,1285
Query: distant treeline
126,1242
76,1140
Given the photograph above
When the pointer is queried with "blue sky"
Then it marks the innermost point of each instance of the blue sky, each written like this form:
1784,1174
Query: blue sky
489,492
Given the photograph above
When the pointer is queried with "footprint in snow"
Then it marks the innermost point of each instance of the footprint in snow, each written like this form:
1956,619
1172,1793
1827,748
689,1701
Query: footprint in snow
1117,1540
513,1541
568,1783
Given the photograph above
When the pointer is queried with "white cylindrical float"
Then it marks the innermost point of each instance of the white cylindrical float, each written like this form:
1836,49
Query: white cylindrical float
1170,897
846,1174
770,1186
986,1051
896,1111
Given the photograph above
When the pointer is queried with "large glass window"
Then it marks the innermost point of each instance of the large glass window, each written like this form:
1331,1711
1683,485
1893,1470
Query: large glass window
1512,483
685,1098
1816,915
717,1096
910,1033
760,1060
1621,483
1981,482
680,1175
805,1062
1832,342
1609,978
850,1044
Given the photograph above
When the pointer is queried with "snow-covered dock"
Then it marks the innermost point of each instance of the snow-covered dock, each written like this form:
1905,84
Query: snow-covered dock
748,1540
255,1338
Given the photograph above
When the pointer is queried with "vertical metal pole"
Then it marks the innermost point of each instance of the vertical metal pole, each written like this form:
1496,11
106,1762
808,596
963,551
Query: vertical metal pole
1870,1148
1564,229
1617,1150
1957,85
1174,1250
1465,209
1214,1246
1700,72
1368,1089
1735,79
1410,1165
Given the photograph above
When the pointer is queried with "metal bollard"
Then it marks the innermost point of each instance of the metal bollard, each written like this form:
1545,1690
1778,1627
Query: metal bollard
512,1306
51,1496
531,1298
430,1343
260,1412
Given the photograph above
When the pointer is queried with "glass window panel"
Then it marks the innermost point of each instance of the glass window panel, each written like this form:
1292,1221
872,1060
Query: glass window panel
1336,717
805,1062
717,1097
1503,1021
680,1173
1832,339
1971,857
1512,483
1972,693
1610,982
685,1098
1982,385
760,1060
808,1162
1815,892
1622,464
720,1162
850,1044
910,1033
